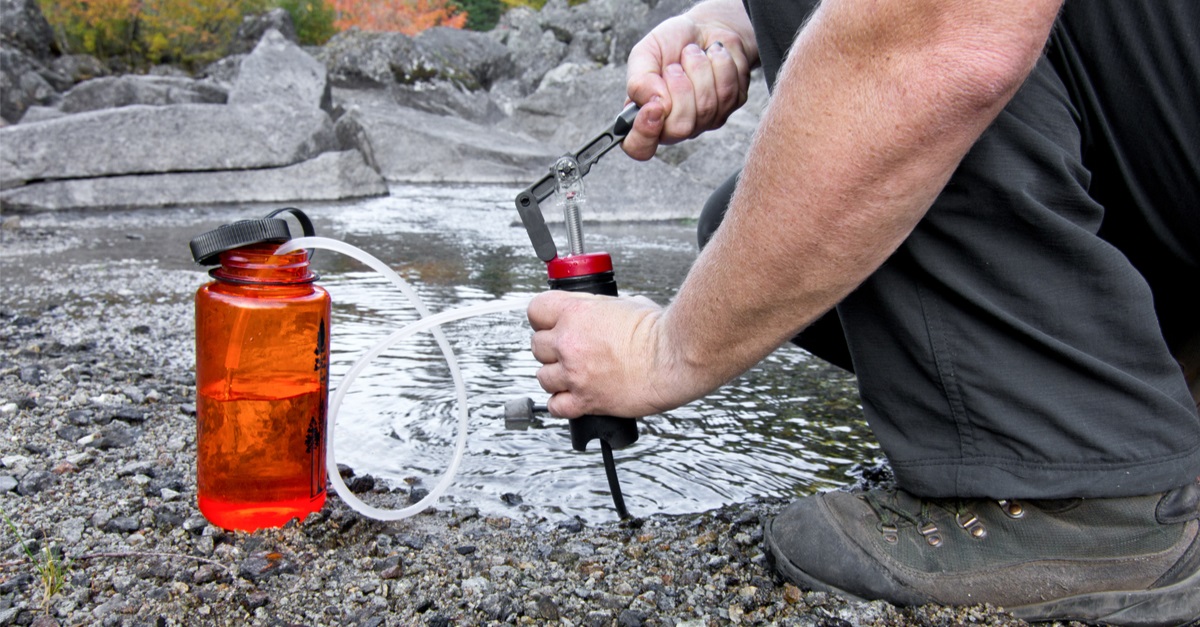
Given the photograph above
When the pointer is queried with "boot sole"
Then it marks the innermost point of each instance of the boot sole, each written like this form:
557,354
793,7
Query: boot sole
1177,605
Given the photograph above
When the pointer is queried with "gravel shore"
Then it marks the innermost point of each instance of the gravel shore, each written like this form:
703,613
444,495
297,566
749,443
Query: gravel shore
97,479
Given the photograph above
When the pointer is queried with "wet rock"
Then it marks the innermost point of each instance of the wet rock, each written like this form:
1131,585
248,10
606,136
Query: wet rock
508,498
361,484
573,525
36,481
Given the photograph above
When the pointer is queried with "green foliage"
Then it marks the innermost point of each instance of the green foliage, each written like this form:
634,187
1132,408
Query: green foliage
51,570
188,33
482,15
103,28
313,20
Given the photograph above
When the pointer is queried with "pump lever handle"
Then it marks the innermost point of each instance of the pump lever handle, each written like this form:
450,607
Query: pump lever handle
528,201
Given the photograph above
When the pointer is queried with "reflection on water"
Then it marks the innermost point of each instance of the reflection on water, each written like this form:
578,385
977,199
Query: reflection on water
790,426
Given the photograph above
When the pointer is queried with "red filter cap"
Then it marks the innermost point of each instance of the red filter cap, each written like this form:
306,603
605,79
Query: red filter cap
579,265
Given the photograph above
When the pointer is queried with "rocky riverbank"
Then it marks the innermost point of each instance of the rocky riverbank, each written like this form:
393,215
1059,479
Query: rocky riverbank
277,122
97,470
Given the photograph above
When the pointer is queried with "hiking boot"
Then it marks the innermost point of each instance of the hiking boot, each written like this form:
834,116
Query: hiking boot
1119,561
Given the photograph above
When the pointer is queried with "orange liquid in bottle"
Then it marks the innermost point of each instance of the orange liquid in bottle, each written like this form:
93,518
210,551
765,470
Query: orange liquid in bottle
262,346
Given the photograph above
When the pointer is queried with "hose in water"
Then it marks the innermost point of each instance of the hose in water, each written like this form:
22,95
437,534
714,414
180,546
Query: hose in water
428,321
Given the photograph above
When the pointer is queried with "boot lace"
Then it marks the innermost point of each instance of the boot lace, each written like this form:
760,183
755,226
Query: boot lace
893,513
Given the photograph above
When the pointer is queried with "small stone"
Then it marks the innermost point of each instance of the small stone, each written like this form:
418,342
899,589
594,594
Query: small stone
114,438
573,525
131,415
70,433
195,524
80,417
206,573
8,483
499,522
35,481
81,459
361,484
255,599
122,524
792,594
392,572
31,375
264,565
510,498
630,618
136,468
466,549
64,467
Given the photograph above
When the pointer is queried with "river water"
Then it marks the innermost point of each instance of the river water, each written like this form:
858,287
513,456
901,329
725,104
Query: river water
790,426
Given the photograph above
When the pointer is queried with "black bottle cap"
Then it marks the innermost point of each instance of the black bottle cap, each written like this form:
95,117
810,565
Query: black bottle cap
207,247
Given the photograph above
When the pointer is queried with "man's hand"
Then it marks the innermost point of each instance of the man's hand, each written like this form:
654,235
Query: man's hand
605,356
689,74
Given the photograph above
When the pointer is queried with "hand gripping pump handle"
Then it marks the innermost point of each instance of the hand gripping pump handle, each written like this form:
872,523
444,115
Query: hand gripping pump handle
581,272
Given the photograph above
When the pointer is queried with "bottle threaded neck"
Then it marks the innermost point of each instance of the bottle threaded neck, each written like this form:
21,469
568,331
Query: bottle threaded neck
258,264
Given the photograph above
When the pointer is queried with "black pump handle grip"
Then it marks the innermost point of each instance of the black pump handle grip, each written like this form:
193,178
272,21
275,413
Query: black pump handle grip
617,432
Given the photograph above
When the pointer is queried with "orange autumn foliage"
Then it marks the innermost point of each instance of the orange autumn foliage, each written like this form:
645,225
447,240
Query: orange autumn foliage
405,16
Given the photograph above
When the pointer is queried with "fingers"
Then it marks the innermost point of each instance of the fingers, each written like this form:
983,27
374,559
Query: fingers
642,140
682,94
564,405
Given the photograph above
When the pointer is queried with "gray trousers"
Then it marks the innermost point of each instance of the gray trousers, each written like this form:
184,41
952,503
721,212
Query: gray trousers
1025,341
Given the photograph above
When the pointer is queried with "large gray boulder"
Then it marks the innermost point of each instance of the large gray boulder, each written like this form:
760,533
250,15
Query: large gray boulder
110,92
24,82
254,27
142,139
467,59
330,176
23,27
357,58
279,71
417,146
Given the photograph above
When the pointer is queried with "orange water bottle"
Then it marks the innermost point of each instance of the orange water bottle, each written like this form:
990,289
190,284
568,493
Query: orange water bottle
262,377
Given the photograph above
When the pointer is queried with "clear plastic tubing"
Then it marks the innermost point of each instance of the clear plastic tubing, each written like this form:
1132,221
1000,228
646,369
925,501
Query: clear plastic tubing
428,321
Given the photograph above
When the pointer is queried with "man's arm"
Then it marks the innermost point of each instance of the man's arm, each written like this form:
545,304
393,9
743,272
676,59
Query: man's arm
872,111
